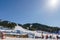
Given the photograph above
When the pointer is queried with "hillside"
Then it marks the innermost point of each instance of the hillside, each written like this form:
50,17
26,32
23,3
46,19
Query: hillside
29,26
7,24
37,26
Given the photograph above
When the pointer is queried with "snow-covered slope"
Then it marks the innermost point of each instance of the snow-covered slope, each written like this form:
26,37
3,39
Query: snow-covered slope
34,32
27,31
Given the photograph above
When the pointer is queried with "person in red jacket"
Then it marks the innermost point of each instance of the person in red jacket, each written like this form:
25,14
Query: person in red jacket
3,35
46,36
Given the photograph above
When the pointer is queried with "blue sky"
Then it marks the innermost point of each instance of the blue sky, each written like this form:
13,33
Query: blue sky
31,11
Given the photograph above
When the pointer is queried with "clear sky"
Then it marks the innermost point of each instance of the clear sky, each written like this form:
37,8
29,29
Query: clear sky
31,11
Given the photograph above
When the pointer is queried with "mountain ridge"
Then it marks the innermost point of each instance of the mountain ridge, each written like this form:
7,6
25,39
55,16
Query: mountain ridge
30,26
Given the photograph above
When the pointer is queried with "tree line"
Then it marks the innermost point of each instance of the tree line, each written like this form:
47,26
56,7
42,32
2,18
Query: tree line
38,26
7,24
30,26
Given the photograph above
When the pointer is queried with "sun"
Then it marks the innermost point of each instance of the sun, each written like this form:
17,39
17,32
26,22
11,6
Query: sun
52,3
51,6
